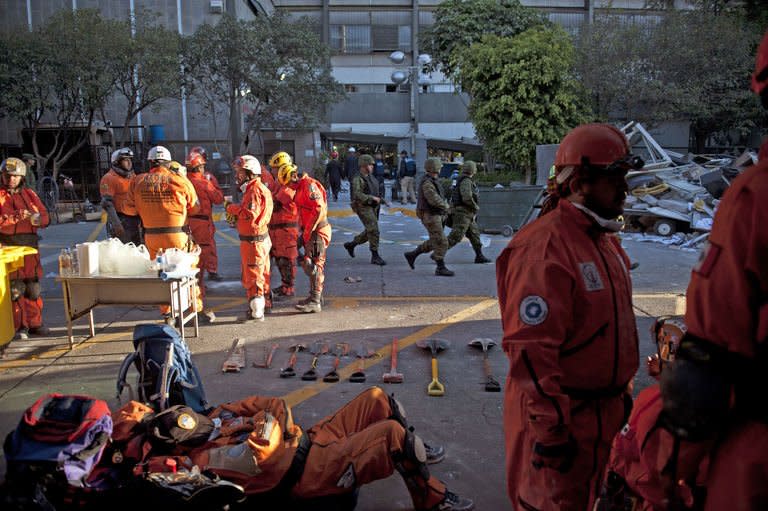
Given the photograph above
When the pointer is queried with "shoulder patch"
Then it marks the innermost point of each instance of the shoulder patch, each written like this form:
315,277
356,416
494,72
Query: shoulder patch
591,276
533,310
707,259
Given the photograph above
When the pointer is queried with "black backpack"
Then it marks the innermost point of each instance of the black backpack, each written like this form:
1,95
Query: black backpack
167,375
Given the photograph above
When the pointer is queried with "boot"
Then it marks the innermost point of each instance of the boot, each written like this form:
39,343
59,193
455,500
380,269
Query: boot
411,257
312,305
376,259
350,246
40,330
215,277
441,270
255,309
479,257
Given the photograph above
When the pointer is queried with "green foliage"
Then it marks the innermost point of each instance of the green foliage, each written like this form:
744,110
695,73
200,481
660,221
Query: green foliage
522,92
276,67
459,23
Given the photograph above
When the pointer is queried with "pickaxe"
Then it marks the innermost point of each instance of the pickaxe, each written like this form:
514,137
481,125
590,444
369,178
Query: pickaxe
267,360
491,384
289,371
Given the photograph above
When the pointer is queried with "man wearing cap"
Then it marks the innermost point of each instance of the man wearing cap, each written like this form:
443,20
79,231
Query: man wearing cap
464,208
350,165
366,203
569,330
333,175
407,174
431,210
123,221
31,178
21,215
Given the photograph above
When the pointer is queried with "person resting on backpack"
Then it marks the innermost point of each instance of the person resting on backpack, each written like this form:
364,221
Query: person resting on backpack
654,463
255,444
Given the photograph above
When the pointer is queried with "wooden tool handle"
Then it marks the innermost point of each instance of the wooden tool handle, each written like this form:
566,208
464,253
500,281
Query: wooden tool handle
393,364
486,368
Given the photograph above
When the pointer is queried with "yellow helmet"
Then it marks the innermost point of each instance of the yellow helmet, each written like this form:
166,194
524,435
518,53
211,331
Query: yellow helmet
285,172
279,159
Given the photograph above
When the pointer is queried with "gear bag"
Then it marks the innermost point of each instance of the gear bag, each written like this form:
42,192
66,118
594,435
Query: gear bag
167,375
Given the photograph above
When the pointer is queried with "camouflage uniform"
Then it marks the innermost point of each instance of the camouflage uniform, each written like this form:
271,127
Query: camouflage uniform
464,208
431,208
365,203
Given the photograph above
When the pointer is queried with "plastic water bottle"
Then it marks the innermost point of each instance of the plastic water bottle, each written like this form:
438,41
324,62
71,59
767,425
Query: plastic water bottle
160,261
74,262
65,263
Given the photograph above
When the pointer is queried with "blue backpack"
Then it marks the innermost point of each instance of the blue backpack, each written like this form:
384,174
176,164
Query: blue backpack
167,375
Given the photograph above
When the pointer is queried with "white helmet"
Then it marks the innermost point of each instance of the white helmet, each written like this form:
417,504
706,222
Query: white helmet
351,149
249,163
159,153
123,152
13,167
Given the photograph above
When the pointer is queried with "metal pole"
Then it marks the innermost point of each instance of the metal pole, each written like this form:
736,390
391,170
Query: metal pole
414,76
589,11
136,73
183,90
326,29
29,14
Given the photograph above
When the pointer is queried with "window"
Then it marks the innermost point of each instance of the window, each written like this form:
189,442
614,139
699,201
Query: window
350,88
404,37
351,38
391,88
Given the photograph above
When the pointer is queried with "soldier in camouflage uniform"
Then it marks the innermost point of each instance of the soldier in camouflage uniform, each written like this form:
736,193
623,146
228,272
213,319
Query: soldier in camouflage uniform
464,208
431,208
366,203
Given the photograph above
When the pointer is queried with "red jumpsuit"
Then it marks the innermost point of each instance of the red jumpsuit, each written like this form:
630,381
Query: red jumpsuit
253,215
25,283
727,304
312,204
284,232
163,200
569,332
201,224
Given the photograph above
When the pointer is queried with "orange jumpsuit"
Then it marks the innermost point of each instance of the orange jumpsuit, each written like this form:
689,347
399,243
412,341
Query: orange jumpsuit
728,306
644,455
284,232
25,282
163,200
570,335
253,215
201,224
116,186
312,203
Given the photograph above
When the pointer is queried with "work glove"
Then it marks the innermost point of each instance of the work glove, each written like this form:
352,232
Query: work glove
231,219
555,456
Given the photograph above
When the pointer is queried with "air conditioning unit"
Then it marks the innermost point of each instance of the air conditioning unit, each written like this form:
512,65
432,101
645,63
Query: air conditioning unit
217,6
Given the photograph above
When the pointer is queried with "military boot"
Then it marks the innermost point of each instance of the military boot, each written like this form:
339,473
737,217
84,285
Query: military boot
441,270
479,257
411,257
314,303
350,246
376,258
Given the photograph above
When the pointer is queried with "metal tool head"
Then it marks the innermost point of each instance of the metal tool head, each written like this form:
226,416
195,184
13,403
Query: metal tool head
492,385
311,373
342,349
287,372
299,346
482,342
392,376
434,345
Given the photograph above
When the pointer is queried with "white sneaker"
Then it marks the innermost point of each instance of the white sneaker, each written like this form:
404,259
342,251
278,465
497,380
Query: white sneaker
210,315
257,307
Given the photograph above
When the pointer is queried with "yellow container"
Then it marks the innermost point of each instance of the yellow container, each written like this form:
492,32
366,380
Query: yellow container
11,259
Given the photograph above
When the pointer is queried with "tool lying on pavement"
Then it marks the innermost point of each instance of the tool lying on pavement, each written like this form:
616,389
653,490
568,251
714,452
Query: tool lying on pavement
236,357
435,388
491,383
318,348
342,350
289,371
393,376
266,362
359,375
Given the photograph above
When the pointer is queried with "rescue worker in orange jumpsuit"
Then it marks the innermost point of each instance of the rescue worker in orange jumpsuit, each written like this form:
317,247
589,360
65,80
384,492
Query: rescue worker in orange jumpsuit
22,213
651,465
283,227
251,217
201,224
312,203
569,330
163,198
727,338
212,257
261,449
122,221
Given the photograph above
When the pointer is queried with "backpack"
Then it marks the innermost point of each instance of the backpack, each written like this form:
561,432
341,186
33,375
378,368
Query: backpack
167,375
58,435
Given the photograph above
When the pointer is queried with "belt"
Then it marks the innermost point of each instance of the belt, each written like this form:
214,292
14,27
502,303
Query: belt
123,215
20,239
288,225
200,217
593,394
163,230
259,237
293,474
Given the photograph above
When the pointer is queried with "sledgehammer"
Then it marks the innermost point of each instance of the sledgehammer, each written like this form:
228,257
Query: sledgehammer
393,376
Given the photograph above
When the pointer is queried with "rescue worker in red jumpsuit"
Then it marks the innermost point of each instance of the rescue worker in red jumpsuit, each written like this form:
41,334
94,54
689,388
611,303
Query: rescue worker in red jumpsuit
569,330
312,203
201,224
283,227
213,260
21,215
251,217
727,338
261,449
164,198
122,221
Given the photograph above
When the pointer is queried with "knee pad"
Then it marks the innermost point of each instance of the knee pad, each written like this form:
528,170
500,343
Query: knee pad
398,412
33,290
412,461
414,448
17,289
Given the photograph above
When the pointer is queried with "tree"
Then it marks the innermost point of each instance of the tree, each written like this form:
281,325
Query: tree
459,23
58,74
145,66
275,66
522,91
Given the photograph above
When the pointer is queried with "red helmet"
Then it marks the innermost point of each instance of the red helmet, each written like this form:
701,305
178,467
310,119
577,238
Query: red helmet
201,151
194,159
334,155
760,76
597,145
